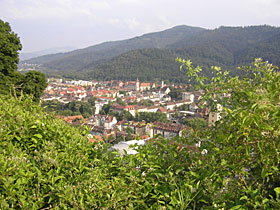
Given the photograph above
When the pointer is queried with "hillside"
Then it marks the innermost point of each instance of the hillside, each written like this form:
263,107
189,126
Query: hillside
29,55
152,56
89,57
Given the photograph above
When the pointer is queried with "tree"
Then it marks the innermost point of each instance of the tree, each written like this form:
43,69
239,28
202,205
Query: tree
245,143
120,102
12,81
92,101
9,47
146,102
151,117
34,83
195,123
175,93
106,108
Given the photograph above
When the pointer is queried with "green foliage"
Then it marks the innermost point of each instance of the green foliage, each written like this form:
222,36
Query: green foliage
245,143
73,108
46,163
106,108
195,123
120,102
151,117
146,103
175,93
40,166
124,115
9,47
12,81
184,107
34,84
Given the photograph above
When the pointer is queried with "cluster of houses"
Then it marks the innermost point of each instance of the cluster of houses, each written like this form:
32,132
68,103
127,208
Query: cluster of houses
106,126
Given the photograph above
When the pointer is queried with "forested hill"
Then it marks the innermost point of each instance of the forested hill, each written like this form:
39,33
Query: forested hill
152,56
91,56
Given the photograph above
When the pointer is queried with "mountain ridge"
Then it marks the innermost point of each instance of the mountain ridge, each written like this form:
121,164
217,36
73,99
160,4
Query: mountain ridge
153,54
107,50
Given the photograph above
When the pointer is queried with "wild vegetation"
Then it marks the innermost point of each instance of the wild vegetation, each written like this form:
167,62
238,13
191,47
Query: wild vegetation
48,164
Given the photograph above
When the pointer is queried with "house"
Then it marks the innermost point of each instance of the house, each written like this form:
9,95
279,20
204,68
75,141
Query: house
71,119
188,96
172,105
110,121
164,90
193,107
120,125
102,131
215,115
167,130
106,121
132,85
130,108
145,86
213,118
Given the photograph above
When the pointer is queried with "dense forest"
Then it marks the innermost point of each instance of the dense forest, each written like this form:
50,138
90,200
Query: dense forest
151,57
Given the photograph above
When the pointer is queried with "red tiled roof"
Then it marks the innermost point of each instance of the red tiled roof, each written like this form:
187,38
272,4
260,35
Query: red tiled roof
69,119
96,139
145,84
162,109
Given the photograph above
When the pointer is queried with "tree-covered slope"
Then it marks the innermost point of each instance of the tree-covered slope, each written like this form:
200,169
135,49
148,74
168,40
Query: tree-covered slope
144,64
152,56
231,38
269,50
154,64
88,57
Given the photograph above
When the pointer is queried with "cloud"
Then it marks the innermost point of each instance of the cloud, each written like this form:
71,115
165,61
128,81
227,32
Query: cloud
34,9
129,1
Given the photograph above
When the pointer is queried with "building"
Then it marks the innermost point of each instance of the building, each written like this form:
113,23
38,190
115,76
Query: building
167,130
188,96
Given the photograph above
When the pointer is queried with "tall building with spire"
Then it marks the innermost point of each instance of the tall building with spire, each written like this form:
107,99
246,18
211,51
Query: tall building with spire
137,85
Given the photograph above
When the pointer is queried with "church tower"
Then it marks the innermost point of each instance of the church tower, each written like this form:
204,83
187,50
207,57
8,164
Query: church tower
137,85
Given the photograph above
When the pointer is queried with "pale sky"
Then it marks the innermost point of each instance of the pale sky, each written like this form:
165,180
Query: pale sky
43,24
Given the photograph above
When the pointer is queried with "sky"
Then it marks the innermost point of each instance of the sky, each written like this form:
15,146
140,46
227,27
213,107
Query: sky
44,24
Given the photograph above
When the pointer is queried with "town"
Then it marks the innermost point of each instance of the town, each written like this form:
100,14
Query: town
130,110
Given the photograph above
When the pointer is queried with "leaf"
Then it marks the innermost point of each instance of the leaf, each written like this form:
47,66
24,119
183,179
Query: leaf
224,162
277,191
38,135
260,146
236,207
178,170
244,198
194,174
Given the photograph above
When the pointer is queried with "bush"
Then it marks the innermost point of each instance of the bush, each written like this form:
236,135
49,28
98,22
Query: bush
46,163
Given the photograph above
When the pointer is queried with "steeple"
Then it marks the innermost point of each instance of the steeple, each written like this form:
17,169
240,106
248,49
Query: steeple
137,88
